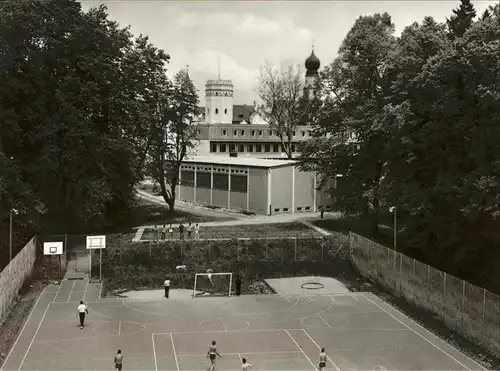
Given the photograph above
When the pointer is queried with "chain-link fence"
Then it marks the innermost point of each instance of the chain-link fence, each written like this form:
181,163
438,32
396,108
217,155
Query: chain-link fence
471,310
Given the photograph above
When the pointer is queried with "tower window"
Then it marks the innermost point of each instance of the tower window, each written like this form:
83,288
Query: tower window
241,148
271,133
222,148
293,133
260,132
303,133
224,132
253,133
243,132
235,132
225,110
216,110
268,148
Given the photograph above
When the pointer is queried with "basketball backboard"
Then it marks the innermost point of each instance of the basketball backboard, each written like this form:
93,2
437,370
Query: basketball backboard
96,242
52,248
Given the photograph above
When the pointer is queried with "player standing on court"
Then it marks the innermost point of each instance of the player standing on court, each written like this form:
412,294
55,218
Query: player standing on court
118,360
322,360
244,365
167,287
212,353
81,311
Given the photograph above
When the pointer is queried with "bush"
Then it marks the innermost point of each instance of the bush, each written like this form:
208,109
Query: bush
145,265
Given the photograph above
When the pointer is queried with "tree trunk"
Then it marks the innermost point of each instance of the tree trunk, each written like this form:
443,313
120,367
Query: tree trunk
171,202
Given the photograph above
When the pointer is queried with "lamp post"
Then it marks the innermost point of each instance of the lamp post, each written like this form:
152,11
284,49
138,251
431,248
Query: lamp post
12,211
393,210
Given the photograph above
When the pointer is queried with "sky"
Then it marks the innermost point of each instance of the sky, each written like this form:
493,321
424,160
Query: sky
242,36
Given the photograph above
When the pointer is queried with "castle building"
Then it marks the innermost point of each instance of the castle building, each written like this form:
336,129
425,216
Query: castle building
225,128
239,163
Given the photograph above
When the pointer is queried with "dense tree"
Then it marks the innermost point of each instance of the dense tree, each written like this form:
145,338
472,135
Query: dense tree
174,134
75,96
355,85
283,104
461,20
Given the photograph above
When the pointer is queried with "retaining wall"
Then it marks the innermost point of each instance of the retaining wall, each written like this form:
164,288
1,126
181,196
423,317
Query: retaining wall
14,275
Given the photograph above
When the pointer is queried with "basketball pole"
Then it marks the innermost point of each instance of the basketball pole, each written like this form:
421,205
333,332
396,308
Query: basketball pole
100,265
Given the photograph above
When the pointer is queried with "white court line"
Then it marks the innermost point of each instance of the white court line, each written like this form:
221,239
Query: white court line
22,330
353,296
57,292
119,328
324,321
71,292
175,354
309,298
249,353
100,289
302,350
223,324
423,337
86,288
314,342
33,338
222,332
154,352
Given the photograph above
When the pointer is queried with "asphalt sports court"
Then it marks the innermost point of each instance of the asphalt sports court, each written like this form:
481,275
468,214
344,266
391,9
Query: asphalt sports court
359,332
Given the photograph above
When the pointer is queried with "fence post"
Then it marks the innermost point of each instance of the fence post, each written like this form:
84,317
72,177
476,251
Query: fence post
295,244
444,283
484,312
463,302
322,250
428,275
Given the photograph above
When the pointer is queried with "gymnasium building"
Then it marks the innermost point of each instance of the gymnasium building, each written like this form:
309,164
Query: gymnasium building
249,184
239,163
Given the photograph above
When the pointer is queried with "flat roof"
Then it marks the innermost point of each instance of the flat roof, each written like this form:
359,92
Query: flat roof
239,161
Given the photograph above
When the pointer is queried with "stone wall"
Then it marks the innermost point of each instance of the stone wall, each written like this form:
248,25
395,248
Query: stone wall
14,275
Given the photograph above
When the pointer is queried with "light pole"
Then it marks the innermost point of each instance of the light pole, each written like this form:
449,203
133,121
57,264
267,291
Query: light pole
12,211
393,210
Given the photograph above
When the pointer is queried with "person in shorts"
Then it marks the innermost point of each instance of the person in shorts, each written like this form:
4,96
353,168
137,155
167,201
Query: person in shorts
189,229
171,231
118,360
197,231
81,311
245,366
322,360
212,354
181,231
164,232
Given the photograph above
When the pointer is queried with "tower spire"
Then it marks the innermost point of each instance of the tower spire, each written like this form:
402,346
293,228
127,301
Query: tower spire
218,68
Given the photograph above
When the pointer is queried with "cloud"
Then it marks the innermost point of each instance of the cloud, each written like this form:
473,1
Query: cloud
243,24
259,26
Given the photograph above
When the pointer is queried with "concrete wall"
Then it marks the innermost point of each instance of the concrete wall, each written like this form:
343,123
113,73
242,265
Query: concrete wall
15,274
219,198
304,191
258,191
238,201
281,190
203,196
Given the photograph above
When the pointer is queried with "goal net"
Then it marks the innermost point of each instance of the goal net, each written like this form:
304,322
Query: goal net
212,284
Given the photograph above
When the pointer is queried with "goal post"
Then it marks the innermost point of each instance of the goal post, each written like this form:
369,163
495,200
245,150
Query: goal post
212,284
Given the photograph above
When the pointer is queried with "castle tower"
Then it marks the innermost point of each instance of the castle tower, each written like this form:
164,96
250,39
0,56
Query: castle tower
219,102
312,66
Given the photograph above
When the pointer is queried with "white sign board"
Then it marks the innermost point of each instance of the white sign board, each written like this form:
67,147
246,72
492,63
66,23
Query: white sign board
52,248
96,242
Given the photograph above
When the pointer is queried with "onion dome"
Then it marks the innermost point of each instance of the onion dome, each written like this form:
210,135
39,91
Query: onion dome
312,65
